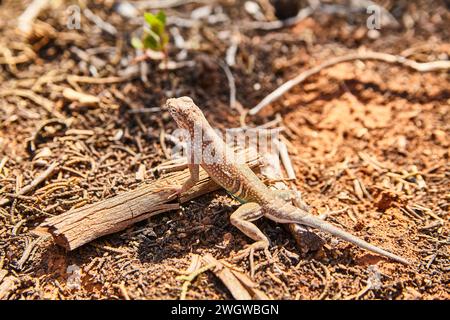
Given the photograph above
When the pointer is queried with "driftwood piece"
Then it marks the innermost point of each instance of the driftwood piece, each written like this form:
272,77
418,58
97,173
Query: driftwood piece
76,227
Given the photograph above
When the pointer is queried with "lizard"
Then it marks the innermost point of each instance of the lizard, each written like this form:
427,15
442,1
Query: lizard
239,180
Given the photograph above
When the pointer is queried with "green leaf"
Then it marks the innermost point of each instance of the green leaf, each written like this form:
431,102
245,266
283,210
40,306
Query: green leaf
152,41
149,18
153,21
136,43
156,37
161,17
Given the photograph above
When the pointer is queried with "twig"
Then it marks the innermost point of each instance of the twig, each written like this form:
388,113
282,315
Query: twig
27,252
385,57
232,86
44,102
3,163
373,162
42,177
195,264
26,19
360,293
83,98
105,26
27,55
9,59
32,141
84,79
230,56
189,278
433,257
236,288
427,211
145,110
162,142
285,159
325,280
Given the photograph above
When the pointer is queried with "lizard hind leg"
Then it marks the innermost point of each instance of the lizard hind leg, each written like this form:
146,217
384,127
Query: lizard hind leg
243,219
305,239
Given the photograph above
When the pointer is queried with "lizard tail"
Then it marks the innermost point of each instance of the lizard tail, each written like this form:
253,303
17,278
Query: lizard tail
315,222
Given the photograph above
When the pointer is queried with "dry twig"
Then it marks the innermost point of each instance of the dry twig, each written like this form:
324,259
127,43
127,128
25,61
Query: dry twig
385,57
39,179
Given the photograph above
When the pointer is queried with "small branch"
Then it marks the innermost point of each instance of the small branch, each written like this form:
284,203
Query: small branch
236,288
92,80
83,98
103,25
25,21
385,57
39,179
189,278
232,86
284,155
48,105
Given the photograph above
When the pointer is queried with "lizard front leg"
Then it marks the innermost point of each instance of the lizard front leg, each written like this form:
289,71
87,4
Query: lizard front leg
305,239
194,170
242,219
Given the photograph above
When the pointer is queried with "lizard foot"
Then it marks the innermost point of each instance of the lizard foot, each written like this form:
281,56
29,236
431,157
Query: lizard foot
249,251
176,189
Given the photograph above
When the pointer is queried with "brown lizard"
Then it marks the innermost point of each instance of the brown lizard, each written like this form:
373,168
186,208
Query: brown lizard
211,153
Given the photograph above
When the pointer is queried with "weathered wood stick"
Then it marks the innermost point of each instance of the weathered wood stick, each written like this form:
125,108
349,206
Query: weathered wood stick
76,227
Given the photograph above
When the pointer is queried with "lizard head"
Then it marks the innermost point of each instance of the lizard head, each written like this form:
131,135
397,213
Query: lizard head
184,111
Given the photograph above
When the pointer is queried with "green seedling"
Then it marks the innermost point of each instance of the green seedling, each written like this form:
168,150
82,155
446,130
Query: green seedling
155,36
